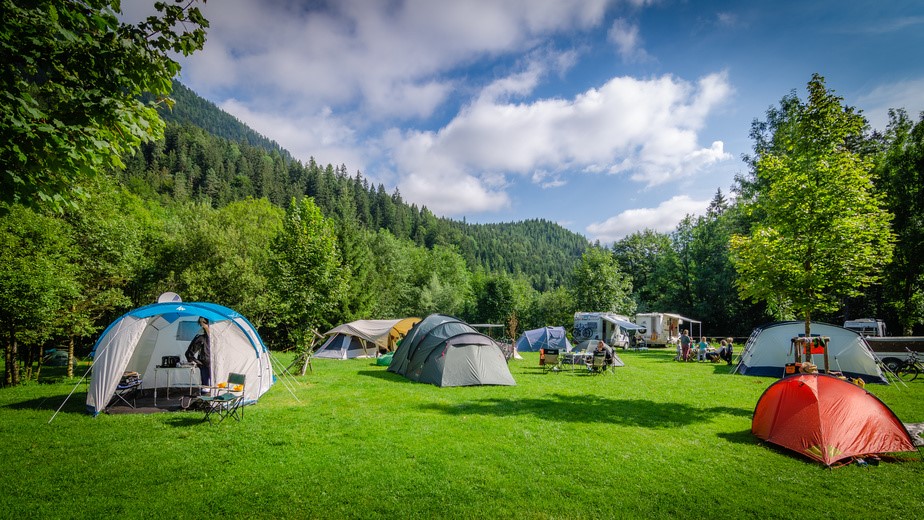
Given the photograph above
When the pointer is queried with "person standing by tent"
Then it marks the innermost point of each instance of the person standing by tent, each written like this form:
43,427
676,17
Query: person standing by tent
685,343
200,353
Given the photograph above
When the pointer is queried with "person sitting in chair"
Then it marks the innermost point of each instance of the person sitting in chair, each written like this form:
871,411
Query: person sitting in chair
199,352
726,351
603,347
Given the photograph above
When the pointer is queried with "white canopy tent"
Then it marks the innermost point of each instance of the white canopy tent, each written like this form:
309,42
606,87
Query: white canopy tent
362,338
770,347
139,340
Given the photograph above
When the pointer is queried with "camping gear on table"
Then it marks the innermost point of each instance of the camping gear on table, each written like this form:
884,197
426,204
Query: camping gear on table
827,419
446,351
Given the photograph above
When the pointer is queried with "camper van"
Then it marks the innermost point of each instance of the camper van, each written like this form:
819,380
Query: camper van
868,327
614,329
662,328
892,350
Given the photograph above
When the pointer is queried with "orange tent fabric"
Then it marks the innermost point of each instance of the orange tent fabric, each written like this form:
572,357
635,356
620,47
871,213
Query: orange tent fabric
827,419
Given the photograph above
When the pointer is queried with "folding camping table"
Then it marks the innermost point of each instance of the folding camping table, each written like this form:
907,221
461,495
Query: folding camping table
191,370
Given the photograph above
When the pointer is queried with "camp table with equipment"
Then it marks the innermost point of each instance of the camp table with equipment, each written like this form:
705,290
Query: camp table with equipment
182,369
580,357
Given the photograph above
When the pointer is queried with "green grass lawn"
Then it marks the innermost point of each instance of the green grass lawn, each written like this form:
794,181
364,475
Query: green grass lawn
656,440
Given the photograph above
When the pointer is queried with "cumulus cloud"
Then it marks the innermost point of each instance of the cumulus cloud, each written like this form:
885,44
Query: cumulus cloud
646,129
908,94
663,218
625,35
387,59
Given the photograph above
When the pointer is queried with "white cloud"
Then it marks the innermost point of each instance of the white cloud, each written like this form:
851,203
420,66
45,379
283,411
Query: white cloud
385,59
907,94
646,129
663,218
625,35
440,184
320,135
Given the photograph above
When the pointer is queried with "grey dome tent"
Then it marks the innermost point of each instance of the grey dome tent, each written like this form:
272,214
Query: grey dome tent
769,349
445,351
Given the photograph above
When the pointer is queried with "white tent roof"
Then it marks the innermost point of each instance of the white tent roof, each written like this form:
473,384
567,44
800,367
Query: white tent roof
138,340
375,331
769,349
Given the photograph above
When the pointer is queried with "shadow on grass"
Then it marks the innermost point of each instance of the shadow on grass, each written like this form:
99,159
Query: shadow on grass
383,374
77,403
186,419
742,437
593,409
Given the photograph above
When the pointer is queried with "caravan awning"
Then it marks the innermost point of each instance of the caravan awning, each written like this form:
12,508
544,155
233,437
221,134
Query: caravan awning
627,325
681,318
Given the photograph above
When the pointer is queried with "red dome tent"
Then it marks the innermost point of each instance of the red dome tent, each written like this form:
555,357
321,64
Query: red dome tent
827,419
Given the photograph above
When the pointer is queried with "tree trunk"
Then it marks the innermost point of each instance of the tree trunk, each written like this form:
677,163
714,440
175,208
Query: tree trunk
70,358
12,362
7,364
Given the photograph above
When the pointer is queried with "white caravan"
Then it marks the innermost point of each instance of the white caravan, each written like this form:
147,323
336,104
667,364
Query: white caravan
662,328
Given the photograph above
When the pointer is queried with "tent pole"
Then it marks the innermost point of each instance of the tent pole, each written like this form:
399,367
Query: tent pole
95,357
824,346
285,372
70,394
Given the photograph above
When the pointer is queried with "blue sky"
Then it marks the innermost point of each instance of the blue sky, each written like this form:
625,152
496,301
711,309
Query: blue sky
607,117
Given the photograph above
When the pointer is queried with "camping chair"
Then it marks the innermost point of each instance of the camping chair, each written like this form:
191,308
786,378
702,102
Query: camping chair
552,363
128,387
597,363
228,403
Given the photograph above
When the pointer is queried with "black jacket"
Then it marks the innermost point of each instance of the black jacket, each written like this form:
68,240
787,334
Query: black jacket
198,351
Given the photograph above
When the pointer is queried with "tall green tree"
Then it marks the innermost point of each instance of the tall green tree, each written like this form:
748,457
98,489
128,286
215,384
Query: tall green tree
223,255
494,299
443,282
37,283
108,232
554,307
820,232
599,286
72,78
901,170
306,279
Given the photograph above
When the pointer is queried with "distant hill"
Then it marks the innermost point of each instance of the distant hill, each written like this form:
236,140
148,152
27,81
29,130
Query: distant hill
207,154
192,109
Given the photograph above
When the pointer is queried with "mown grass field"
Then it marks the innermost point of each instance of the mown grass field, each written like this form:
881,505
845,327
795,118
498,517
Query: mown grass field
656,440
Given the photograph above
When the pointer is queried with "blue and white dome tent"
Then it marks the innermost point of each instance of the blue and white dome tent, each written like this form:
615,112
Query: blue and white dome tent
138,340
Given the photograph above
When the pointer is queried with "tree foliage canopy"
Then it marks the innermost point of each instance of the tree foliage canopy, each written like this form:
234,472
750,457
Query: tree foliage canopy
822,232
599,285
71,81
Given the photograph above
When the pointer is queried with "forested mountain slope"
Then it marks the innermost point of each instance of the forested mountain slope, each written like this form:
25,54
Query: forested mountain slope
208,155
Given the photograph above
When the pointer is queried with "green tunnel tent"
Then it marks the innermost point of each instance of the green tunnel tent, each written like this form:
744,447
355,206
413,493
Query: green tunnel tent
445,351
